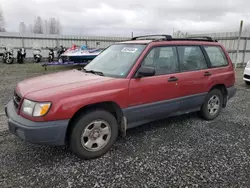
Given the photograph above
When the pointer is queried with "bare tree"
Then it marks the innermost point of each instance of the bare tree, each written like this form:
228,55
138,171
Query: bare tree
30,28
181,34
38,26
2,22
46,27
58,27
54,26
22,27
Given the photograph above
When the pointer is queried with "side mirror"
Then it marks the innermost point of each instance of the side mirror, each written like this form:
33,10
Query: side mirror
145,72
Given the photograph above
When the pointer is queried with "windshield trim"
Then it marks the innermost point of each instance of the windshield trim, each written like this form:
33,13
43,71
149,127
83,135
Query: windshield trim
132,64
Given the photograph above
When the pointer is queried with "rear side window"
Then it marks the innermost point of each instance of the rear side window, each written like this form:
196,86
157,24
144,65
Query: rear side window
191,58
216,56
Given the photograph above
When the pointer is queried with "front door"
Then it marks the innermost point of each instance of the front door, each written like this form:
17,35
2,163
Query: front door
154,97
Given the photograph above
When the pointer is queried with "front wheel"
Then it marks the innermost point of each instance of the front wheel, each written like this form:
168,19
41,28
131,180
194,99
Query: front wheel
9,60
212,105
247,82
93,134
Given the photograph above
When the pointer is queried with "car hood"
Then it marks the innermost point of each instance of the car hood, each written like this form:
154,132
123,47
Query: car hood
56,83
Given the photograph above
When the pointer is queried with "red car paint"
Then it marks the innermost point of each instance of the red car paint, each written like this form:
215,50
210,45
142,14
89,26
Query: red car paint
71,90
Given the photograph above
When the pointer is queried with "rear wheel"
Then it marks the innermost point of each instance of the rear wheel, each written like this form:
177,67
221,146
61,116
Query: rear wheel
247,82
37,60
60,60
212,105
93,134
20,60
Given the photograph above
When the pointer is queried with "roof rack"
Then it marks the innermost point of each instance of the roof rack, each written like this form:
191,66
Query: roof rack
168,37
198,38
201,37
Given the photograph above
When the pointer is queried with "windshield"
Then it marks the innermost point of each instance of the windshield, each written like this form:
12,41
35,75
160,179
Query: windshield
116,60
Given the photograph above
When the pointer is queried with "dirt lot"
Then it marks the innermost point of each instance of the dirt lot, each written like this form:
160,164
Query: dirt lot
183,151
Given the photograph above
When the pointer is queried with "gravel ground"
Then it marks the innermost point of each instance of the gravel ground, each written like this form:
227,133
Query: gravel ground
183,151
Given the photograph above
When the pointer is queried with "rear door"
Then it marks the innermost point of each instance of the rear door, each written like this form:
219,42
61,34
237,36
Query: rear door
154,97
193,77
221,71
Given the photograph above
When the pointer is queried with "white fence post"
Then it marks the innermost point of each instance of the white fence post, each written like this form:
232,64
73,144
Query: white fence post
238,44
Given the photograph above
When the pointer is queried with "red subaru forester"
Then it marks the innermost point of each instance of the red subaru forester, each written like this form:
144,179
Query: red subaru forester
129,84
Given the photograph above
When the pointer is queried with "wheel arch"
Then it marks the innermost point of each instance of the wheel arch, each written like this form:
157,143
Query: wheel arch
110,106
223,89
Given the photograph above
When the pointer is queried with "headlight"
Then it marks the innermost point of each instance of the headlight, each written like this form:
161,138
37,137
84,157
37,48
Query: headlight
248,64
35,109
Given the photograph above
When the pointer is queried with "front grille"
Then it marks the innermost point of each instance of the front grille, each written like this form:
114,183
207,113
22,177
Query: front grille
16,99
247,76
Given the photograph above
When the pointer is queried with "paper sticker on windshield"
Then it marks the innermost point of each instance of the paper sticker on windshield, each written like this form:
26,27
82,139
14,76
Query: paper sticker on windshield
129,50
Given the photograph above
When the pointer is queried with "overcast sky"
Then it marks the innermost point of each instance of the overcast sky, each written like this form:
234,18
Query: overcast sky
121,17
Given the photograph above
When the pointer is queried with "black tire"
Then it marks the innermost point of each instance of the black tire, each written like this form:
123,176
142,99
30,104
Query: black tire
10,61
37,60
204,112
81,125
60,60
247,82
20,61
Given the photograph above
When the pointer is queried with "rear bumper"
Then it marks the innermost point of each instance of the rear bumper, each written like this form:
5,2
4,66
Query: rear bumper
246,74
46,133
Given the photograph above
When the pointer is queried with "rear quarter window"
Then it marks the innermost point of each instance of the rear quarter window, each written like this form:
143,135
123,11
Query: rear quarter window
216,55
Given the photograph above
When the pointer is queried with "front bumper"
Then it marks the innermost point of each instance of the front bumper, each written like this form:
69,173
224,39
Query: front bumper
46,133
246,74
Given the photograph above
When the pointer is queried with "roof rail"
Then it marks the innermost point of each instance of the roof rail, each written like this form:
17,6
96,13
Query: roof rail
168,37
207,38
202,37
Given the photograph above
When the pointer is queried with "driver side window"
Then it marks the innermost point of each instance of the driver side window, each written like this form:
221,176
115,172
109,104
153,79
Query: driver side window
163,59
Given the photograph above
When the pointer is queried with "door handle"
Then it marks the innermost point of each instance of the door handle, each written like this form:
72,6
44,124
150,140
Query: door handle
207,74
172,79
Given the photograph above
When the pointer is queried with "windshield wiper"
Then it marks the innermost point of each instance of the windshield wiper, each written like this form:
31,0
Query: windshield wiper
94,72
